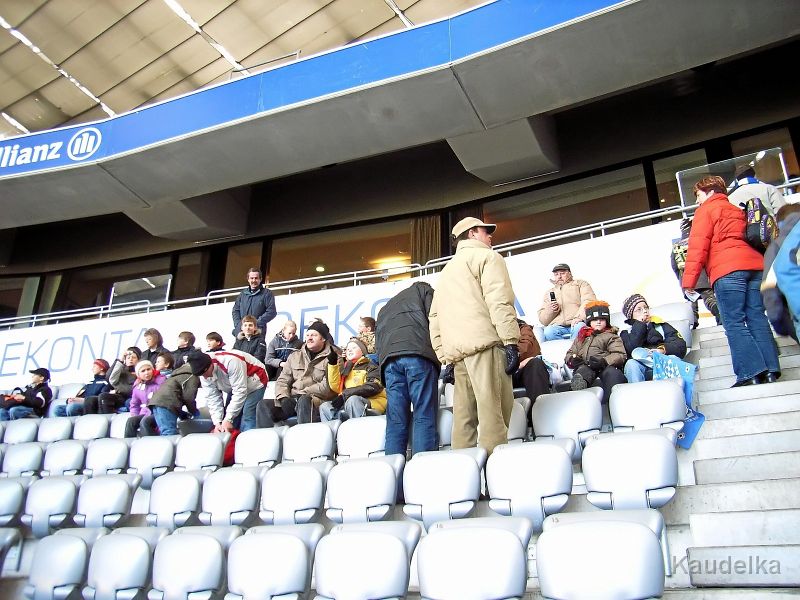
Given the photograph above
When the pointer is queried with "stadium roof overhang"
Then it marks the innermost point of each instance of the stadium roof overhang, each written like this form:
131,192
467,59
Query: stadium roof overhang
486,81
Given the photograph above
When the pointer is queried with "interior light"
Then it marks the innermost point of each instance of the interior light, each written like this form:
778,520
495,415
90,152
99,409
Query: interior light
319,269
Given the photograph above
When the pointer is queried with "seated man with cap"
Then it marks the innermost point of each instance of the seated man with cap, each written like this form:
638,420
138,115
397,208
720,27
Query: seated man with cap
32,400
563,308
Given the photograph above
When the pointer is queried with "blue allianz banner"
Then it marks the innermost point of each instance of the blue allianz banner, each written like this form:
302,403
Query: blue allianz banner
404,53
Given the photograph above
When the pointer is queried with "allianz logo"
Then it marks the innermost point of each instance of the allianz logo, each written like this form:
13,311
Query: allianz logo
83,144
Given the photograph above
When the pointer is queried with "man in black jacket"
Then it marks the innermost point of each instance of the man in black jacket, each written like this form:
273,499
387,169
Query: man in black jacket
32,400
409,369
255,300
648,334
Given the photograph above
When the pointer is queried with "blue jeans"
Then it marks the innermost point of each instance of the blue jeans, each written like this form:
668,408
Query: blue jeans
166,420
73,409
354,407
411,380
251,401
561,332
753,349
15,412
637,367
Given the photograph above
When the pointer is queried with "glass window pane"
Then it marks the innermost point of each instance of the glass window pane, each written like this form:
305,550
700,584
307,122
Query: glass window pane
381,246
10,296
191,276
582,202
240,259
769,171
665,169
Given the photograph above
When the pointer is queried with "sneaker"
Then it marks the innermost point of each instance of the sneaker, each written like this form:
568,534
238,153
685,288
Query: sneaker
578,383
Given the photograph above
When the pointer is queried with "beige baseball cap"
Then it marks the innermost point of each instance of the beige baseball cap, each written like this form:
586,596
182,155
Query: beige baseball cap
470,222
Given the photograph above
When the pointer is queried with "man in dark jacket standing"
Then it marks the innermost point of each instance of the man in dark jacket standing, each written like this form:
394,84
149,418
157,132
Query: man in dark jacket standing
255,300
409,369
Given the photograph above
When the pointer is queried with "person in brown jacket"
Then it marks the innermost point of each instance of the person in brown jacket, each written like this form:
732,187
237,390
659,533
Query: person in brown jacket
532,373
597,352
563,310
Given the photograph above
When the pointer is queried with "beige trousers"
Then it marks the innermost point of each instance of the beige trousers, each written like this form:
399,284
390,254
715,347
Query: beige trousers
483,395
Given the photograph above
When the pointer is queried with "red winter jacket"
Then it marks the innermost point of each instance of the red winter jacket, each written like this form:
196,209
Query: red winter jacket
717,242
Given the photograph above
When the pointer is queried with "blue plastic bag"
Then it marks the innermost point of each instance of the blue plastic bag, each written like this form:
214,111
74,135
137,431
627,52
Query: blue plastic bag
666,366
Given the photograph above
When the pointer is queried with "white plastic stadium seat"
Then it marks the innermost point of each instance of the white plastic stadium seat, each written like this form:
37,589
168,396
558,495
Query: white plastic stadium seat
199,451
288,573
647,405
230,497
19,431
307,442
172,578
291,494
309,533
90,427
54,429
174,500
58,567
529,480
64,457
518,426
630,470
521,527
103,501
12,501
151,457
361,438
116,429
257,448
22,460
473,563
444,426
106,456
113,577
151,535
440,486
585,559
224,534
573,415
361,490
49,504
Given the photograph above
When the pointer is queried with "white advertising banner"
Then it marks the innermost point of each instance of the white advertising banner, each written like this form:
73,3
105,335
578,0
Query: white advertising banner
616,266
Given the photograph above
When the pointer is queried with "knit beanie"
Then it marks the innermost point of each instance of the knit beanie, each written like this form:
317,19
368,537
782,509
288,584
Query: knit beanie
630,304
597,309
141,365
199,362
360,343
320,328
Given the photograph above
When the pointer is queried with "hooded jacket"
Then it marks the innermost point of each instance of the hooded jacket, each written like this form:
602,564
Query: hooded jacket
655,334
402,325
303,375
717,242
603,344
473,305
260,303
180,389
141,394
236,373
361,379
254,345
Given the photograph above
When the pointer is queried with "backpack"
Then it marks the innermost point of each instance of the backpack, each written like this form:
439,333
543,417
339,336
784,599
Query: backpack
760,227
679,249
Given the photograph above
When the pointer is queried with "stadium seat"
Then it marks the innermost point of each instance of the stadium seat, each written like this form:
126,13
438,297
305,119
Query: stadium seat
19,431
647,405
119,567
472,563
199,451
172,578
444,427
291,494
12,501
448,392
151,457
554,351
521,527
22,460
408,532
151,535
58,568
257,448
64,457
54,429
9,537
361,490
224,534
49,504
585,559
230,497
630,470
525,402
361,438
174,500
90,427
529,480
572,415
308,442
309,533
340,561
103,501
116,429
287,574
106,456
440,486
518,426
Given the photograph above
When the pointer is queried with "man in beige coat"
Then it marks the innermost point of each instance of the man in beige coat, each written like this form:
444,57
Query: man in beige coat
563,308
474,331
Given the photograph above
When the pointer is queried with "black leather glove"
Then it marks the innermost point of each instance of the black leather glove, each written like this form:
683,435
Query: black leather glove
338,402
597,363
277,414
449,374
512,358
333,358
574,361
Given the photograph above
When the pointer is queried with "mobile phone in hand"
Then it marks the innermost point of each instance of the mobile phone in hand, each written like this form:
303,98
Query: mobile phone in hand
552,296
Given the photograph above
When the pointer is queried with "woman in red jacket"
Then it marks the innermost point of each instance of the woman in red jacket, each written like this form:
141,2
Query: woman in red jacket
734,268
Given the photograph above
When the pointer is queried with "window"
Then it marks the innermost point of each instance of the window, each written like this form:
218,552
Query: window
10,296
665,169
567,205
769,171
241,258
191,276
384,246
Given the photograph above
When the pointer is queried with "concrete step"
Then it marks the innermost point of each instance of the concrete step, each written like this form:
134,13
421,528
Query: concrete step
704,594
773,494
698,354
737,566
754,406
719,341
708,334
762,423
769,527
776,465
747,392
725,369
705,384
746,445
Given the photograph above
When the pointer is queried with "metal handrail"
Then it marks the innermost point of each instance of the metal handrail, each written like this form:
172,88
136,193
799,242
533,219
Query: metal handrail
354,276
